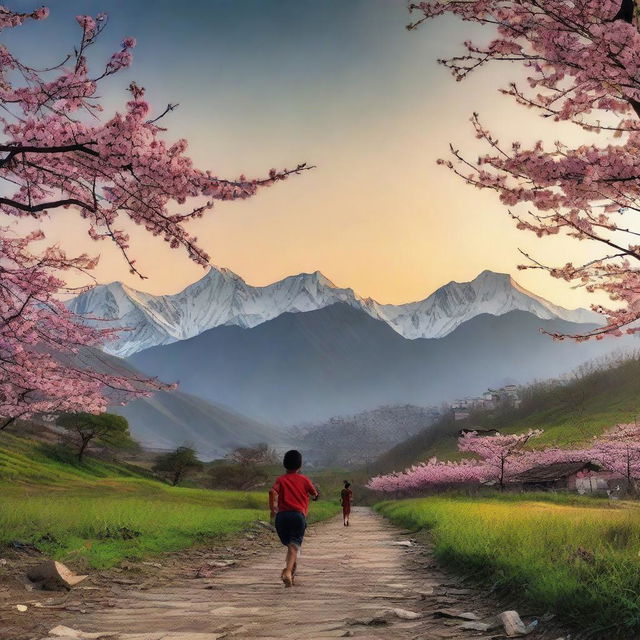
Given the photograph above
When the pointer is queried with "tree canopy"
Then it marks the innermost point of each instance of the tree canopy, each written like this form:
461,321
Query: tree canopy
580,60
105,428
176,465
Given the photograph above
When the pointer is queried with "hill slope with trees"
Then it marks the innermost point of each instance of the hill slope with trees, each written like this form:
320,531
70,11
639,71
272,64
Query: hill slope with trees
594,398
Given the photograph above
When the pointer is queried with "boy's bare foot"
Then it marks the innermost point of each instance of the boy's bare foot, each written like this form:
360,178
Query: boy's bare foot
287,578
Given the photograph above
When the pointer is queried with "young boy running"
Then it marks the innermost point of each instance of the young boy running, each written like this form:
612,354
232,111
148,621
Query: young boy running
291,491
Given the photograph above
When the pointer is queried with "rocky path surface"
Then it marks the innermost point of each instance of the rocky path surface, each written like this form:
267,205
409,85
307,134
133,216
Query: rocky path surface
364,581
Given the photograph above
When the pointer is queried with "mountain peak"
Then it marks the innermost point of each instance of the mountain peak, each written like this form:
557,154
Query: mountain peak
315,277
321,279
487,274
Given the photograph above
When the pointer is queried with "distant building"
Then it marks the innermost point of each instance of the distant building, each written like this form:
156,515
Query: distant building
508,394
489,400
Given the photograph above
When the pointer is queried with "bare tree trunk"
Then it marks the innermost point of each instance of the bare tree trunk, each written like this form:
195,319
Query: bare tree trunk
83,446
7,422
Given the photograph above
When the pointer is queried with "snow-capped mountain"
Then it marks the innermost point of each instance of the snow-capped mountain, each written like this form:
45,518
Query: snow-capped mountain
454,303
219,298
223,298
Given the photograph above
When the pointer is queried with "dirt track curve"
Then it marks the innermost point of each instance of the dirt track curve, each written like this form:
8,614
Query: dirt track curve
350,582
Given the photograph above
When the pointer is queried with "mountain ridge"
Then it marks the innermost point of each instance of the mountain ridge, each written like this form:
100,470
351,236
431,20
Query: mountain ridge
221,297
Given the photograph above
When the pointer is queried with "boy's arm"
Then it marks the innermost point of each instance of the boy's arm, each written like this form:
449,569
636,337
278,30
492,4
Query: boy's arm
273,499
313,491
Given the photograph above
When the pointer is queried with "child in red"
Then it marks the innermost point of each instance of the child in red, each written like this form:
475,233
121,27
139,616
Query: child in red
291,491
346,496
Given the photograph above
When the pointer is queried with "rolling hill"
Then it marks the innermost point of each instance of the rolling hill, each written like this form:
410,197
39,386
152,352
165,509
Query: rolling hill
172,418
352,441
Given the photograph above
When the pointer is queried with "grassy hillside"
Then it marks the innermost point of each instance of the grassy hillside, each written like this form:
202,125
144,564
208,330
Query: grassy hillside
596,398
98,513
577,557
27,465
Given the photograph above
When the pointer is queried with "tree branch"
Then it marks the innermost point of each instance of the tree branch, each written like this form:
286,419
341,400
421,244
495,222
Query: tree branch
43,206
14,149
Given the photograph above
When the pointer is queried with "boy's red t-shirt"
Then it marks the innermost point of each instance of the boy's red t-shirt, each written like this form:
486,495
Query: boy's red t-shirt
293,491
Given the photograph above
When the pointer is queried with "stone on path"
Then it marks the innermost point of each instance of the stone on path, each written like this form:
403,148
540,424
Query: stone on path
52,575
454,613
405,614
513,625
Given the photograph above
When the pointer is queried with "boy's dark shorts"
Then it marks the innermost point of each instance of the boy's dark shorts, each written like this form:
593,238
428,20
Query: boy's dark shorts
291,526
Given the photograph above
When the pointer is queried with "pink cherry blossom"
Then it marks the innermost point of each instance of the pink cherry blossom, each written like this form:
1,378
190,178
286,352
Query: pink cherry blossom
497,459
500,459
582,65
59,153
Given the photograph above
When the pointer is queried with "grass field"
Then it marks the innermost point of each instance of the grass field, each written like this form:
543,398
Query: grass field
577,557
97,514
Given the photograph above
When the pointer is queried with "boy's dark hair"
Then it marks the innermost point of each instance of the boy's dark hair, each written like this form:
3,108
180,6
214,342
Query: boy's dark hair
292,460
347,484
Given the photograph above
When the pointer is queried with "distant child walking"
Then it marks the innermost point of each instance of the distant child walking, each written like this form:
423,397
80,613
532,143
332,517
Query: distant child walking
289,504
346,496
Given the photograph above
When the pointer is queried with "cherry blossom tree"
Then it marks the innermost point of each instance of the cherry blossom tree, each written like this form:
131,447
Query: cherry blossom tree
503,455
618,451
62,156
500,459
41,340
581,61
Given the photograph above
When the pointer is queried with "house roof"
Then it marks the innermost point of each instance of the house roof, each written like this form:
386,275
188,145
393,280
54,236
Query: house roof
551,472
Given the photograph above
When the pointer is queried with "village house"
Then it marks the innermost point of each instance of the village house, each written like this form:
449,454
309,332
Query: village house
582,477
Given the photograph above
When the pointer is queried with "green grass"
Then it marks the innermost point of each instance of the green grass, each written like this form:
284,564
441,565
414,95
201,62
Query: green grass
578,557
96,514
130,521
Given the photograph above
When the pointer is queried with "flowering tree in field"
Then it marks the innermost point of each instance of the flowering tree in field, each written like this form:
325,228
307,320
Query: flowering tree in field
582,64
60,153
502,456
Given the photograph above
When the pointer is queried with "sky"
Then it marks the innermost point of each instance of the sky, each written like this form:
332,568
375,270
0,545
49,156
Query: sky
342,85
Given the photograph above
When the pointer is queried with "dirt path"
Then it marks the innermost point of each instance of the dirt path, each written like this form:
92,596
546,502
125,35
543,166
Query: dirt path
350,581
